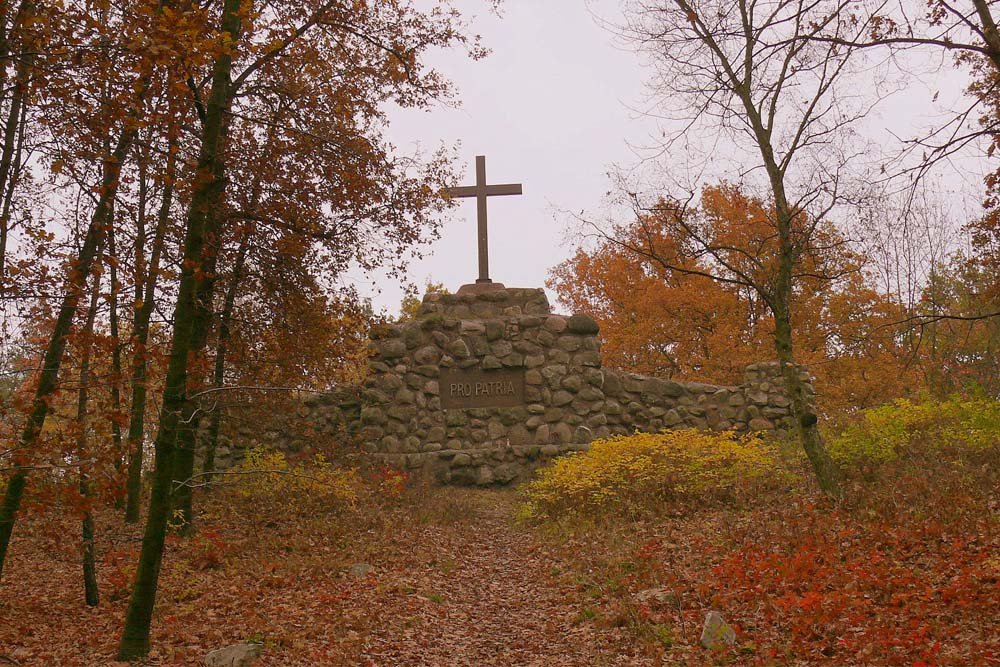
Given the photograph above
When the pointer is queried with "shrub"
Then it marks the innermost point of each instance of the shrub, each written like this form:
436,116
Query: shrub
389,482
269,482
207,550
959,430
642,472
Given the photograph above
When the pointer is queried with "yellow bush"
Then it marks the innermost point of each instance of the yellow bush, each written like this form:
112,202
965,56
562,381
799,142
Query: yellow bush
904,429
269,480
640,473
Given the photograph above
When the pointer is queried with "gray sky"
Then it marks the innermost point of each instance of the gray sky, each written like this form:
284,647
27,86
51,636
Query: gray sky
548,109
553,107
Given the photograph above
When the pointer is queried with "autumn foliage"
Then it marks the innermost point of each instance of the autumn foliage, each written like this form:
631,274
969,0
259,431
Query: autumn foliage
683,322
191,181
638,474
901,574
268,482
898,575
185,191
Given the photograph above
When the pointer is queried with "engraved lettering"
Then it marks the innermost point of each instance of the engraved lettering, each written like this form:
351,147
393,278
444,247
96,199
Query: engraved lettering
482,389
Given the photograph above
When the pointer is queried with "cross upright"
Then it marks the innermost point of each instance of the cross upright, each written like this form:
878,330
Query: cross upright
481,191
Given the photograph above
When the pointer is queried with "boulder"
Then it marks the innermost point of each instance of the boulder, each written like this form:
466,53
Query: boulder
582,324
491,363
555,323
393,349
237,655
494,330
427,355
459,349
473,326
662,597
716,633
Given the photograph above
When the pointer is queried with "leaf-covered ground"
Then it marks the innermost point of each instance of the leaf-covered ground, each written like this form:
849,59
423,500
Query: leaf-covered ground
452,583
802,585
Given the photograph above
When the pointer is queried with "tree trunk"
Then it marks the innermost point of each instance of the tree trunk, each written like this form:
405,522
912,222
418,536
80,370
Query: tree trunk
177,409
806,420
187,439
116,365
989,31
803,411
5,29
91,594
18,96
75,286
13,132
779,297
219,374
8,198
144,298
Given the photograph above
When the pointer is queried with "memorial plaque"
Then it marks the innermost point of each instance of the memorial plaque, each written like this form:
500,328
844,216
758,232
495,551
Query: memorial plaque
481,389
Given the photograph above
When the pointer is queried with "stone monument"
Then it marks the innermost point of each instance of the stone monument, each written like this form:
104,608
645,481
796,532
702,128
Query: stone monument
481,388
484,385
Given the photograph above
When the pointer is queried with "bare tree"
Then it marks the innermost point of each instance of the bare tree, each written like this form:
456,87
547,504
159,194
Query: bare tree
966,30
748,77
906,234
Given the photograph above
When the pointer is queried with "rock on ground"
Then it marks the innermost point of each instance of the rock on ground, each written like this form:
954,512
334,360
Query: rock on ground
237,655
716,633
361,570
663,597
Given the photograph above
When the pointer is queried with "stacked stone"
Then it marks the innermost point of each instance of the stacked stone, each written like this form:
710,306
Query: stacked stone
506,302
768,405
327,417
648,404
636,402
569,399
402,420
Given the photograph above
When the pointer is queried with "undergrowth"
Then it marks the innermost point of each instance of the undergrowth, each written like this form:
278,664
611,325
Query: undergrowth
919,434
642,473
270,483
901,572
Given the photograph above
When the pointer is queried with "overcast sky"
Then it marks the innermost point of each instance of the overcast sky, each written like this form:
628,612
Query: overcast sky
548,109
553,108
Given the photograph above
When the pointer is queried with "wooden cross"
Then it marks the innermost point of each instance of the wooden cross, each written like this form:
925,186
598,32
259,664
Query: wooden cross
481,191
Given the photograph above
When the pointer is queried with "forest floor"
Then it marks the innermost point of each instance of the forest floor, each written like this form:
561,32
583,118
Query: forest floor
452,582
445,577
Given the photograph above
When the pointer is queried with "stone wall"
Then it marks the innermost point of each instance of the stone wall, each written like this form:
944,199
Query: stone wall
490,341
294,423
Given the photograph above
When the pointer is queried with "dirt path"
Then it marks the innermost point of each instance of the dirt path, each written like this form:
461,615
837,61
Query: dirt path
452,583
463,587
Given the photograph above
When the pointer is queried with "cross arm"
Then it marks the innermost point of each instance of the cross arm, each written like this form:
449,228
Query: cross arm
463,191
506,189
491,190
